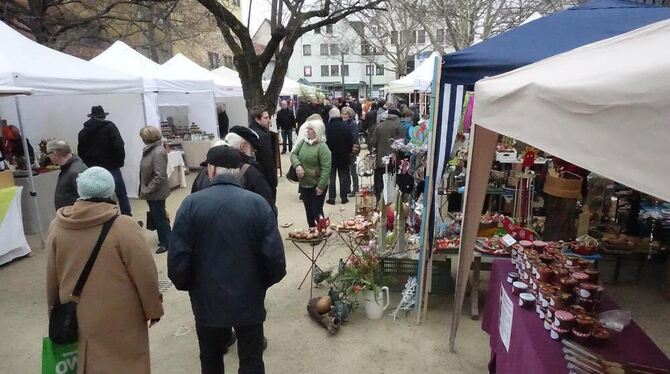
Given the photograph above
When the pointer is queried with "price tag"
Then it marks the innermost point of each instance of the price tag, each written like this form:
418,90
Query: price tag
507,240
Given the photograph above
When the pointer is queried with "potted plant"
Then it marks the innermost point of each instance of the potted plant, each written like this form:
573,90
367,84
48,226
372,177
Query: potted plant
363,274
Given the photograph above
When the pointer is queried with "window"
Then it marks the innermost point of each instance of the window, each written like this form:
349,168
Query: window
214,60
334,50
394,37
440,35
307,50
365,48
380,69
329,29
317,30
334,70
324,49
324,70
412,36
228,61
422,36
369,69
307,71
345,70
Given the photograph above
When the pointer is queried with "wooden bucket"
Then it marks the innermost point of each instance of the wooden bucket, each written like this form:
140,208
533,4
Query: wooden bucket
565,185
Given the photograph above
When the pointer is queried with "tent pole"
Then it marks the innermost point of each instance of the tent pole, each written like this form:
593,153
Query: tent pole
428,199
480,158
31,181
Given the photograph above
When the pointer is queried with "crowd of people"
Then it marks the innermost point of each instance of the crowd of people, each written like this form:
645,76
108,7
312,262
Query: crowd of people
227,261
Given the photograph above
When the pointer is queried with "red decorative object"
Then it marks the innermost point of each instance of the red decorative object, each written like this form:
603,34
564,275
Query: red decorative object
322,224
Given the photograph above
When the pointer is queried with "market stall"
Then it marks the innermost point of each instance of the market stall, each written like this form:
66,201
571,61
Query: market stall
596,109
64,90
568,29
14,243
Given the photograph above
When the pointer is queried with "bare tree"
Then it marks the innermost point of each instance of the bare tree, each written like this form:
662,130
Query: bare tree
390,33
467,21
297,18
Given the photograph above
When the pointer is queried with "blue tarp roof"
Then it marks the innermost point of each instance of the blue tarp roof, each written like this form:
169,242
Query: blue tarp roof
548,36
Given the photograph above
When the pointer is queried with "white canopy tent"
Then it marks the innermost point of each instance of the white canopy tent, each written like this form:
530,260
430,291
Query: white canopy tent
419,80
604,107
64,90
169,86
291,87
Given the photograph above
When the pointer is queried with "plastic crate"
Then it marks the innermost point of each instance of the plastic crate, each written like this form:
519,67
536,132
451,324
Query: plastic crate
401,269
506,157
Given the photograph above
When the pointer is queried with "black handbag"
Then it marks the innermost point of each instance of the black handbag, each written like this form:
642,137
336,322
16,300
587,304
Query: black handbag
63,326
292,176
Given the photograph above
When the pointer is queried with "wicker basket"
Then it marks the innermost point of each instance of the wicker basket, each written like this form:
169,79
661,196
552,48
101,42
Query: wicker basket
565,185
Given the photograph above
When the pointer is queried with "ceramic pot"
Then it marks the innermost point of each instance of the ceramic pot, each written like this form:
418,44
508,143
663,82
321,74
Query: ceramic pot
375,307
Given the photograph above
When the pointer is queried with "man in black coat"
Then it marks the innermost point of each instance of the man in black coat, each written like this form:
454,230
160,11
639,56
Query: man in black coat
286,122
304,111
59,153
340,141
265,155
101,144
224,122
226,251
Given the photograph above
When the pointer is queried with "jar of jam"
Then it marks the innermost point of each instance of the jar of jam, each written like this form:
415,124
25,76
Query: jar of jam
526,244
593,275
588,291
568,284
560,300
544,274
580,277
546,258
588,304
564,319
512,277
539,246
548,320
571,260
582,263
558,333
584,324
600,335
579,337
577,310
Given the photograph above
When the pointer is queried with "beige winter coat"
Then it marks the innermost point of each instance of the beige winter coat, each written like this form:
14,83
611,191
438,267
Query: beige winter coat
121,293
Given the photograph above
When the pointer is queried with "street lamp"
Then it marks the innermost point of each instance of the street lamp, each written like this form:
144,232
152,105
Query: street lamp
343,49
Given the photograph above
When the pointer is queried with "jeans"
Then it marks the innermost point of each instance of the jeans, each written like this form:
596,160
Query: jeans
354,174
287,140
212,342
120,191
345,182
313,204
159,217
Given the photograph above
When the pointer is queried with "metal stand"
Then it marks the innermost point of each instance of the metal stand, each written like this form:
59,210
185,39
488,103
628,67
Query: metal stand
312,259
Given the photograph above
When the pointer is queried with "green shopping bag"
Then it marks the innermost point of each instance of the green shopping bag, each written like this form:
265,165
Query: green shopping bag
59,358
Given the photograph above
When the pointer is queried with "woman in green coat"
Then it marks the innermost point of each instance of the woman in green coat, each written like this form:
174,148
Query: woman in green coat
312,162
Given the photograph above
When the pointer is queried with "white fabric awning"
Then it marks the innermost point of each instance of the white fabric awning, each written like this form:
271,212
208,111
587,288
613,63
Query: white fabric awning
11,90
604,107
292,87
23,62
180,64
418,80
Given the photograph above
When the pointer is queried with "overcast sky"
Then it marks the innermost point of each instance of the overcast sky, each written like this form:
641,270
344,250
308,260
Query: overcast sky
260,11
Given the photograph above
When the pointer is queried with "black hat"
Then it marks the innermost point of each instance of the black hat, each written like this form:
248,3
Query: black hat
394,111
224,156
247,134
98,112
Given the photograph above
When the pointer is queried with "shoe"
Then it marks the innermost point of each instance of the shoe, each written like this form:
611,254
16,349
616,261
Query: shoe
331,202
353,194
344,201
265,342
161,250
233,339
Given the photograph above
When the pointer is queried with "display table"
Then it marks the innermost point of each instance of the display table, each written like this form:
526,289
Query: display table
531,350
175,170
45,187
13,243
195,152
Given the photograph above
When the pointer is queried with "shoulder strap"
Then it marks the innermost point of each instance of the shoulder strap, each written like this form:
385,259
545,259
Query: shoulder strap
91,260
243,172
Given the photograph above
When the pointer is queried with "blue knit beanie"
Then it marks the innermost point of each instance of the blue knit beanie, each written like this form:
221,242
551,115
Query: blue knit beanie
95,182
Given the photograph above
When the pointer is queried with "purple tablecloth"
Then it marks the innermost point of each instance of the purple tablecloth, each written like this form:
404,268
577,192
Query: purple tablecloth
531,350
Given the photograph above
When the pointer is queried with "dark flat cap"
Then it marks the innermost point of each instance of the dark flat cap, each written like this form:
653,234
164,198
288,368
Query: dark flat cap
247,134
224,157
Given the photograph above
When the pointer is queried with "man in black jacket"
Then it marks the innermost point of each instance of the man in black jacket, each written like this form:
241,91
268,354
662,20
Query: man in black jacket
286,122
265,155
101,144
226,251
59,153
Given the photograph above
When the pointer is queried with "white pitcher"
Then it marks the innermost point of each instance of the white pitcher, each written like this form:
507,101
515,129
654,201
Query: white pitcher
373,309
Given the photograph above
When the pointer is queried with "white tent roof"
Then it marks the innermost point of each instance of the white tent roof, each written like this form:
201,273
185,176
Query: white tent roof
604,107
292,87
11,90
180,64
120,56
24,62
418,80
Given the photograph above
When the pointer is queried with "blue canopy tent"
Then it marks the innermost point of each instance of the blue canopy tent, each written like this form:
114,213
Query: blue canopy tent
545,37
